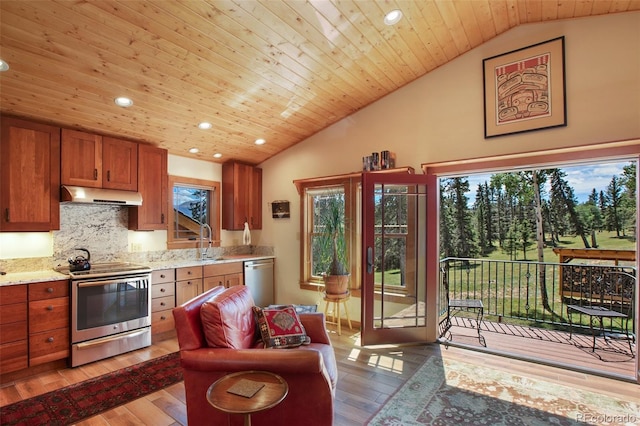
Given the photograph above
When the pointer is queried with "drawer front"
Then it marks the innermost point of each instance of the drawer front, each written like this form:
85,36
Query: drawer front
48,346
162,321
14,356
162,290
223,269
163,276
13,332
188,273
48,290
48,314
163,303
11,294
13,313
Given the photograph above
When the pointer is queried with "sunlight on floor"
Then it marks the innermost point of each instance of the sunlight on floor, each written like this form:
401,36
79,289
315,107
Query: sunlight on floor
387,363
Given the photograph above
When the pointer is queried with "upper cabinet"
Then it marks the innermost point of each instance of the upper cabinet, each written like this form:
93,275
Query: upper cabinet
152,184
81,159
241,196
29,176
98,162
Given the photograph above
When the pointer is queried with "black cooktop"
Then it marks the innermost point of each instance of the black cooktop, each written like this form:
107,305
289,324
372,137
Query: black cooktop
113,269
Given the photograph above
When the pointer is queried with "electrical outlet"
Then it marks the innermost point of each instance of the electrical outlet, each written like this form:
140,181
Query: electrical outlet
136,247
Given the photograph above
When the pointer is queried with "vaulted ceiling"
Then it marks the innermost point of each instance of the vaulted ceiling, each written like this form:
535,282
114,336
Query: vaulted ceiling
277,70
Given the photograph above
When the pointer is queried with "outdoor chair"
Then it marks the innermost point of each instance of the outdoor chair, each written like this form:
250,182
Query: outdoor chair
459,305
615,300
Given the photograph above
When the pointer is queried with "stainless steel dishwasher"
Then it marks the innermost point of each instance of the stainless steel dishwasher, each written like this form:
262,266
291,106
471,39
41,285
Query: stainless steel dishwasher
258,276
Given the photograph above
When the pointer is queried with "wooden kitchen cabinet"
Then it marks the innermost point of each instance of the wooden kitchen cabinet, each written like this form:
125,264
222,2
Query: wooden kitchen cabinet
224,274
152,184
119,164
188,283
163,300
241,196
14,351
29,176
95,161
48,322
81,159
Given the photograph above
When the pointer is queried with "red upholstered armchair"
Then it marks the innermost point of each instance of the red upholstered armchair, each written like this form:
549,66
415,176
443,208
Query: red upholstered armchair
234,345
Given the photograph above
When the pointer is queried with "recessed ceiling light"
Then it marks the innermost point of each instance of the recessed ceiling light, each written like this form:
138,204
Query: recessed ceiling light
217,155
393,17
3,66
205,125
260,141
194,150
123,102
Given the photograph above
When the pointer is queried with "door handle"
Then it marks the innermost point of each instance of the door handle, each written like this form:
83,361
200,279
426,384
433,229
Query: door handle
369,260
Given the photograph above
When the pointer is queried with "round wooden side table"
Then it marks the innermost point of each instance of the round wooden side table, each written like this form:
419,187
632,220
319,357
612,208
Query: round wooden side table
275,389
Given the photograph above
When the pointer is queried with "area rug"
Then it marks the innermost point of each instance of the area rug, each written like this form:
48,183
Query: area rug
445,392
91,397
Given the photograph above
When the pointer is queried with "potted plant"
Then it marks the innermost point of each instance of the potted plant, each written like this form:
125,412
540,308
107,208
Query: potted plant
330,219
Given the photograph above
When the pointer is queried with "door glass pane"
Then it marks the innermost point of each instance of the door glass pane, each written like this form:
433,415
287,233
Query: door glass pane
399,253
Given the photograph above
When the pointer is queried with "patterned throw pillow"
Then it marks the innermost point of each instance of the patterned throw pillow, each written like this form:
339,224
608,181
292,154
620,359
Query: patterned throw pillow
280,327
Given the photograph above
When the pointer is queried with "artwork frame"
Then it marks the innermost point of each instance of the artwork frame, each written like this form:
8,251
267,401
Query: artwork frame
280,209
524,90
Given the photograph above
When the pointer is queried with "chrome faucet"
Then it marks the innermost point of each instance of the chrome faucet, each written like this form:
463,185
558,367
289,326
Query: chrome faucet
203,250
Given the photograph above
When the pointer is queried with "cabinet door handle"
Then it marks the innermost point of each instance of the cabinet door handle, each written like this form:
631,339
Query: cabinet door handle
162,218
50,308
50,290
6,214
108,175
162,290
163,317
163,304
162,276
95,174
50,339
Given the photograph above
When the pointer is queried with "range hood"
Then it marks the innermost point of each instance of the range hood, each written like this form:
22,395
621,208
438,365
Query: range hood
79,194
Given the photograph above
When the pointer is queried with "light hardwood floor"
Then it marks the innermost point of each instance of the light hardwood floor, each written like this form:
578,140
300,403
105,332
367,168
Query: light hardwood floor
367,377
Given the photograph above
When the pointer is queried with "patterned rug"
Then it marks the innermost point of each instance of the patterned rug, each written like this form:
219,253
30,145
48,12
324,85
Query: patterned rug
89,398
457,393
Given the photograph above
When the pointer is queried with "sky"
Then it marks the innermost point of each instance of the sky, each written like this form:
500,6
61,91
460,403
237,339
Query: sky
582,178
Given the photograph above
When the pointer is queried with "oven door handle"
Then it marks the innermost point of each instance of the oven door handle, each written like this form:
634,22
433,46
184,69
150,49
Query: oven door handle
97,342
105,282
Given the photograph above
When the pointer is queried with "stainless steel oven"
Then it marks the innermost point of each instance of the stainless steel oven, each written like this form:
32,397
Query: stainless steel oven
110,311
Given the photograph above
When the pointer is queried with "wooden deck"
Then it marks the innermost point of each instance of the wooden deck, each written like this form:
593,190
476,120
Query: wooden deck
611,358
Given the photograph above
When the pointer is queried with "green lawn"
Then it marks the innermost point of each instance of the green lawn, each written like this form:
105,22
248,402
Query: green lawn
605,240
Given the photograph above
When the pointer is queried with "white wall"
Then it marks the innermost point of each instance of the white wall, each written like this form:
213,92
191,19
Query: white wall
440,118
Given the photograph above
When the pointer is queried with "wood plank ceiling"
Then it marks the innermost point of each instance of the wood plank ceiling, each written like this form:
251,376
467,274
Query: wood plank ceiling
278,70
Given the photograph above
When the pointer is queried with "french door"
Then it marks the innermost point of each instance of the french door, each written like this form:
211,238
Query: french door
399,258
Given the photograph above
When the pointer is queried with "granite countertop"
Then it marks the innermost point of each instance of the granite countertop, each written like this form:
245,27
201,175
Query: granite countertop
181,263
14,278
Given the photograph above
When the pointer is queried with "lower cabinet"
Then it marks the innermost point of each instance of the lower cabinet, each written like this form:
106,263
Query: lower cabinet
188,283
224,274
14,345
173,287
34,324
163,300
48,322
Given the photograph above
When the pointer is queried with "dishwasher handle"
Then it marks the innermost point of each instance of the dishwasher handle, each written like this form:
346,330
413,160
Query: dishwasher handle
258,265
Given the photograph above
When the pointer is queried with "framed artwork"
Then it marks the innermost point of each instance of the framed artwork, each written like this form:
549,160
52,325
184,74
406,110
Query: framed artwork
280,209
524,89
